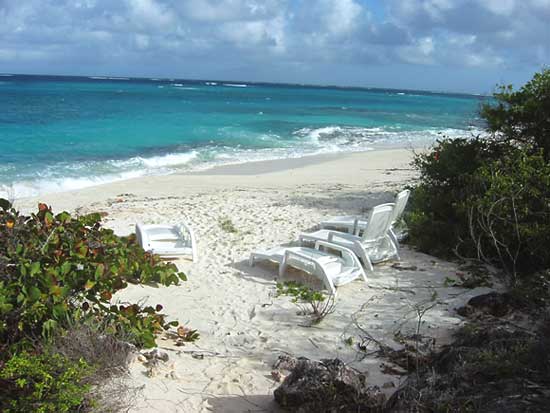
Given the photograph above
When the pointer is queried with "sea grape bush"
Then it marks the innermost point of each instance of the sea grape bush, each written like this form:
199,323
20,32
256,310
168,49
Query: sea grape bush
58,273
56,269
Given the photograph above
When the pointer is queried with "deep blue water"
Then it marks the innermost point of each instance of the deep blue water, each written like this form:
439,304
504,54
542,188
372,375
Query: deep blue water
61,133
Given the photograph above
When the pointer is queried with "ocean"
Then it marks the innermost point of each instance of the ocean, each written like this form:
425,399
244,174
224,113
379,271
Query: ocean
60,133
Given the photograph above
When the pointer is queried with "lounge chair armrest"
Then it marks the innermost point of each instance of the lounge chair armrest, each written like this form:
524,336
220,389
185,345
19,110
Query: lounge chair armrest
318,269
345,235
342,249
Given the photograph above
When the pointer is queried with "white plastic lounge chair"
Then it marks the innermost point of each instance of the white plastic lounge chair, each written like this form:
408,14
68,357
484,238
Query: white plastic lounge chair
167,240
374,245
355,224
332,269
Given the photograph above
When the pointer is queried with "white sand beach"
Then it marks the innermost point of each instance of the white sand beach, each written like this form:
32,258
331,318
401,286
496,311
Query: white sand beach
243,325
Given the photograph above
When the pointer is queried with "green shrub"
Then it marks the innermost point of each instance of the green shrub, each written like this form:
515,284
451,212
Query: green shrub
42,383
58,275
522,117
510,216
483,200
438,217
55,269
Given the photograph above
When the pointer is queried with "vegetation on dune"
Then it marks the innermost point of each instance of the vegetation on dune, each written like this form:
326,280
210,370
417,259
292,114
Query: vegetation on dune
488,200
57,275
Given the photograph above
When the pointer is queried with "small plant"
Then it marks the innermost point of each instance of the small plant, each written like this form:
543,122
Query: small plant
227,225
310,302
187,334
43,383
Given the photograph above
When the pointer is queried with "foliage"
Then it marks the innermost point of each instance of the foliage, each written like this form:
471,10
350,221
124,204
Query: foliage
57,278
522,117
489,198
509,219
438,217
42,383
227,225
490,367
311,302
55,269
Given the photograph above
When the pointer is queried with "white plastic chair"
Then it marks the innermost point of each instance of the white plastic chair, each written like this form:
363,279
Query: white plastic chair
167,240
355,224
374,245
331,269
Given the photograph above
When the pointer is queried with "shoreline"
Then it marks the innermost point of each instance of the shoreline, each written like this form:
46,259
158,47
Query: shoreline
345,166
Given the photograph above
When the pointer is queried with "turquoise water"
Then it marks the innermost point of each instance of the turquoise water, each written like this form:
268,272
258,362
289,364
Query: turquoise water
59,133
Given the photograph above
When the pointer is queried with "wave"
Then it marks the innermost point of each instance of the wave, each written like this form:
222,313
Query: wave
5,75
87,174
210,83
305,142
235,85
107,78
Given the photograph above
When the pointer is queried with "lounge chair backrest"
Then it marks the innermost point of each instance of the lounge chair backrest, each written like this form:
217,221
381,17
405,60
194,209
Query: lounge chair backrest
400,204
141,236
379,222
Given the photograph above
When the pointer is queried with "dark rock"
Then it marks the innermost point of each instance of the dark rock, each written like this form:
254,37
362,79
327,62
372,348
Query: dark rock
495,304
328,386
287,362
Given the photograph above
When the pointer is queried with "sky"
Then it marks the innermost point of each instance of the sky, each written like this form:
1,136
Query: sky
452,45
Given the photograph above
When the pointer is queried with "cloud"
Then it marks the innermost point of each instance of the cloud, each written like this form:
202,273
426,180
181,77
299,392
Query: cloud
258,37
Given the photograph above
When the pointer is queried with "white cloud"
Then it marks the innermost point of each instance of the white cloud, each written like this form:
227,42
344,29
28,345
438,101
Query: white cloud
421,52
502,7
340,17
148,14
260,34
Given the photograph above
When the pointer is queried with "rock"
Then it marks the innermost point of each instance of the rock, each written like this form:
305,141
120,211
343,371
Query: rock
287,362
495,304
276,375
327,386
156,354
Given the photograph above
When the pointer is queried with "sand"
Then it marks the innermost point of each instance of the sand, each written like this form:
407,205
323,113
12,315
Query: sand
243,325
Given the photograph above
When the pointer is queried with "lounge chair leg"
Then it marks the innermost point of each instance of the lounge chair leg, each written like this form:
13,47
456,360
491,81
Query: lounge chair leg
282,267
251,260
366,261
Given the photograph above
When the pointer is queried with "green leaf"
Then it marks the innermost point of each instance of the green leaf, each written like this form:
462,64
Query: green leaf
33,293
89,285
65,268
99,271
48,218
5,204
35,268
